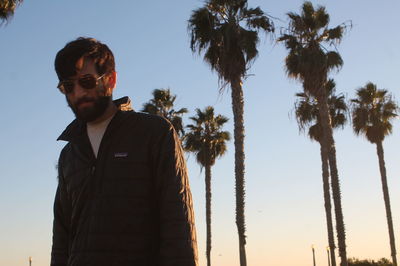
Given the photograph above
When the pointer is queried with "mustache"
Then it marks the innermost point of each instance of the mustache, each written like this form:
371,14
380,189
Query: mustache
84,99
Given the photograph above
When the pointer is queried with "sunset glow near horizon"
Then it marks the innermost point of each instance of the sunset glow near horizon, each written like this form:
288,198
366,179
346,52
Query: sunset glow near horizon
285,212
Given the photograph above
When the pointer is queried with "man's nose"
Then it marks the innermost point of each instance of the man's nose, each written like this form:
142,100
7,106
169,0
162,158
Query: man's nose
78,91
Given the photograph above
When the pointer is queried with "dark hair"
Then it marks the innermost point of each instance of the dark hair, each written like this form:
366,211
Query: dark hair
90,48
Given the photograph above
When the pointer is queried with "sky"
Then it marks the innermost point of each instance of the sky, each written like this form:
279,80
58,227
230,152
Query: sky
284,198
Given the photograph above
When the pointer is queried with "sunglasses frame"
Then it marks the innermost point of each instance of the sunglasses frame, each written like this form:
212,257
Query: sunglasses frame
62,89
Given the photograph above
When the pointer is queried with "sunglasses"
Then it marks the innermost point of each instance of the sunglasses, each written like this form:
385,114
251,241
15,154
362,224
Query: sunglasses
87,82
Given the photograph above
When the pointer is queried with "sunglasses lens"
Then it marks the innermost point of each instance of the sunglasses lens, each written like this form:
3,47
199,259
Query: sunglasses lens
66,87
88,82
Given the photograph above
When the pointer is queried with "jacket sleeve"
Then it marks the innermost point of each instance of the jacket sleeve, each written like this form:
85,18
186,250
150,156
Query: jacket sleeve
61,224
178,245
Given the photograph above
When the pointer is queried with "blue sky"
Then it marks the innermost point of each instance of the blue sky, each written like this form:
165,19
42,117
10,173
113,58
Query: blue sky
284,202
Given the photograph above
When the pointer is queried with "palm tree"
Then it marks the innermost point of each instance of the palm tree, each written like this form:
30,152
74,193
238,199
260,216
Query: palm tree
310,62
206,139
162,104
372,113
227,32
7,8
307,115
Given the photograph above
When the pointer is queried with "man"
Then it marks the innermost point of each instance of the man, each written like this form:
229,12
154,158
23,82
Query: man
123,195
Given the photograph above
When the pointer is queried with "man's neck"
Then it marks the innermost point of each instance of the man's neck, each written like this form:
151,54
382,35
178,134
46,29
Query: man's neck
110,111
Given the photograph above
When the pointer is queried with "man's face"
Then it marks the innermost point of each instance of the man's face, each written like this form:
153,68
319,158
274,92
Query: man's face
88,104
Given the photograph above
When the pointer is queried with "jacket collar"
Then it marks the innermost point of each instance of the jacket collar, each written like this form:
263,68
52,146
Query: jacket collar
76,130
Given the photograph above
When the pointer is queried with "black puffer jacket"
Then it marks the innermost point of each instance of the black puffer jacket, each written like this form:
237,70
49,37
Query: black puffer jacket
130,206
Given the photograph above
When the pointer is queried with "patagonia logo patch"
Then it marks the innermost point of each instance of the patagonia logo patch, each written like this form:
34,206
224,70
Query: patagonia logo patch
120,155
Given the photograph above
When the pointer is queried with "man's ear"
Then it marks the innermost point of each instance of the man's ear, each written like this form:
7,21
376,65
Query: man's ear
111,82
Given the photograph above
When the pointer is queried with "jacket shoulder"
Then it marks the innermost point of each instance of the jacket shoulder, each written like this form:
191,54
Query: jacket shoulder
148,122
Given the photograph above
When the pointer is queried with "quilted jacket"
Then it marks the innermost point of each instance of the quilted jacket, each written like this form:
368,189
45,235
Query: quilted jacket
129,206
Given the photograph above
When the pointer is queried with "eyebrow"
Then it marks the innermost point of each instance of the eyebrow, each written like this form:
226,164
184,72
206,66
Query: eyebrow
81,76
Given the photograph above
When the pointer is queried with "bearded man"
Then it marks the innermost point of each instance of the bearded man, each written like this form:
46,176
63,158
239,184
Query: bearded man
123,196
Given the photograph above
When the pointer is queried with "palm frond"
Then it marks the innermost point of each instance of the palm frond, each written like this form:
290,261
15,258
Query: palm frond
334,60
255,19
201,25
162,104
307,111
7,9
321,18
372,112
227,32
335,34
248,41
205,138
306,38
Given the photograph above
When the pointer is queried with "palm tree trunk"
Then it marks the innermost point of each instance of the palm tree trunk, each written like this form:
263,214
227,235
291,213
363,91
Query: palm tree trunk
328,147
337,198
208,213
238,110
328,206
382,168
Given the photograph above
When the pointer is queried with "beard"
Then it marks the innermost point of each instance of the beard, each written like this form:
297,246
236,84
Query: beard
90,113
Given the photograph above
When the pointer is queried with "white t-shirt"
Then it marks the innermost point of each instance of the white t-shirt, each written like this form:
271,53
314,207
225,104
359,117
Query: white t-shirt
96,132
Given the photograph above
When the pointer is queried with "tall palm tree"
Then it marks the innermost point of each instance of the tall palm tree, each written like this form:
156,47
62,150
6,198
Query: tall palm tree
373,110
7,8
162,104
307,115
207,140
227,32
310,62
